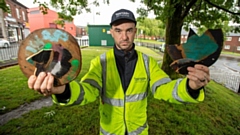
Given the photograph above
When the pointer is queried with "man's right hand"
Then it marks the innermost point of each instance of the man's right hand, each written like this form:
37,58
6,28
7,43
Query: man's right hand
43,83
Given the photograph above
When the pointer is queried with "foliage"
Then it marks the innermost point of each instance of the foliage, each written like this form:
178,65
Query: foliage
3,6
200,13
151,27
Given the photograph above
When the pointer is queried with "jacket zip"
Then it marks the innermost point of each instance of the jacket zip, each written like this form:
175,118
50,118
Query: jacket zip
124,112
124,106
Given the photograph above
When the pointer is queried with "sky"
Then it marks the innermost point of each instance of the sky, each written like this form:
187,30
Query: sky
104,9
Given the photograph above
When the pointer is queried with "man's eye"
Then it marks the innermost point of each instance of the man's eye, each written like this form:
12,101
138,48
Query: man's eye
117,31
131,30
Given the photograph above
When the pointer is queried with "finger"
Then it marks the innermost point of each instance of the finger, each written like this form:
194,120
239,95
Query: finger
39,80
31,81
200,71
43,87
50,82
202,67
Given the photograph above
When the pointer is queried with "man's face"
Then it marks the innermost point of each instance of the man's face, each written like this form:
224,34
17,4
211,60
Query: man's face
123,35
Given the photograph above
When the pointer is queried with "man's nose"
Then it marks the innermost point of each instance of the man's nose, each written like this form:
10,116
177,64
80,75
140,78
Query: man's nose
124,35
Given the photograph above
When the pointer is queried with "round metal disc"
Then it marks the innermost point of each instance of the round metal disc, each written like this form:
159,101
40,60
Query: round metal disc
50,50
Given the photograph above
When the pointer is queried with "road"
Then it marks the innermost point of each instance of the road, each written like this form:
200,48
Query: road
228,63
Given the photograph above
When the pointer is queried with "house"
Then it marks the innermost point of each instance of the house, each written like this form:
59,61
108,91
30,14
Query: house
38,20
15,26
232,42
81,31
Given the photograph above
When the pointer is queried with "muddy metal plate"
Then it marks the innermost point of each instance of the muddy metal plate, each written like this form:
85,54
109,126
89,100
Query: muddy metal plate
204,49
50,50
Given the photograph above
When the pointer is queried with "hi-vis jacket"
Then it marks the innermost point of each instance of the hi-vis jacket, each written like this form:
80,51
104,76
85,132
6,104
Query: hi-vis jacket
126,112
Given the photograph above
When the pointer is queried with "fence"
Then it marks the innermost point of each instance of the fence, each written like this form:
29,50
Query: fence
230,80
83,42
9,53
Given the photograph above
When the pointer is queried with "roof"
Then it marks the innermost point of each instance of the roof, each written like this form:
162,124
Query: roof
233,34
20,4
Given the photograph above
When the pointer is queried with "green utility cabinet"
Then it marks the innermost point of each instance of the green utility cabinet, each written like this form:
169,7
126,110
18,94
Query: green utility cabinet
99,35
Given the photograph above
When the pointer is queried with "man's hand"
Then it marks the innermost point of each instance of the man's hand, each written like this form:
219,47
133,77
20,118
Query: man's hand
198,76
43,83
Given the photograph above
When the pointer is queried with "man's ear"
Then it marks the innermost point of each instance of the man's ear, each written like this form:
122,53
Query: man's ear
111,32
136,30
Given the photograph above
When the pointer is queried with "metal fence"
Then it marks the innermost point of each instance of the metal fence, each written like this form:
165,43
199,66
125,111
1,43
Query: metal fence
9,53
83,42
230,80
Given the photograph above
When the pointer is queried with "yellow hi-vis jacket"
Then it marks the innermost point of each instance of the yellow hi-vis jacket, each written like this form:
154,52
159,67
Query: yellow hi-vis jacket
119,111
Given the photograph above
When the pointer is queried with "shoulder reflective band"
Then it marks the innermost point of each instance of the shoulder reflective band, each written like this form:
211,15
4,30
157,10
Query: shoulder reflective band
103,64
146,64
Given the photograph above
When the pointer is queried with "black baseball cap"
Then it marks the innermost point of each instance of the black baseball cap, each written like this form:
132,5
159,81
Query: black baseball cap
123,14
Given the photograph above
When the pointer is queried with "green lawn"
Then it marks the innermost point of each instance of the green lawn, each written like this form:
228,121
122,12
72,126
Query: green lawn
217,115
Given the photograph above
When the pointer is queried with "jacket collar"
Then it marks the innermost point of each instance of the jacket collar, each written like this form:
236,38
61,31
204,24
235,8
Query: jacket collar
122,54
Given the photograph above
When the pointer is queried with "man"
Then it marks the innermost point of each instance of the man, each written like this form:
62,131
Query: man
122,78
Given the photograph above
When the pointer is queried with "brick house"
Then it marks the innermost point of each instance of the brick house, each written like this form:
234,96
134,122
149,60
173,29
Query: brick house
15,22
232,42
38,20
81,31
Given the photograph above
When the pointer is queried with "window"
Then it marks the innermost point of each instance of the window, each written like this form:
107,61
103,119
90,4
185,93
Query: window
35,12
227,47
17,12
10,12
23,15
238,48
229,39
239,39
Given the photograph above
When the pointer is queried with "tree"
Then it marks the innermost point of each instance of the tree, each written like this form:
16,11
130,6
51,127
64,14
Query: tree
150,27
178,14
3,6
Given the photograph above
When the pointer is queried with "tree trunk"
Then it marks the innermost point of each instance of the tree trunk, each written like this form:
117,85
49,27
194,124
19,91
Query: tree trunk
173,36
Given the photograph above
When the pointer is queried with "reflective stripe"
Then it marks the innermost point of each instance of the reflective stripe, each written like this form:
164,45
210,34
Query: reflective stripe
113,102
146,64
104,73
175,91
136,132
136,97
129,98
139,130
160,82
93,83
105,132
81,96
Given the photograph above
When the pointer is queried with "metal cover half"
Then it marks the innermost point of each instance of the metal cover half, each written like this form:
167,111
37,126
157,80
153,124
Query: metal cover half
50,50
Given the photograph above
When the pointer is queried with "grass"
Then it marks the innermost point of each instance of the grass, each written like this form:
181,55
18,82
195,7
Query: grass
230,53
218,114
